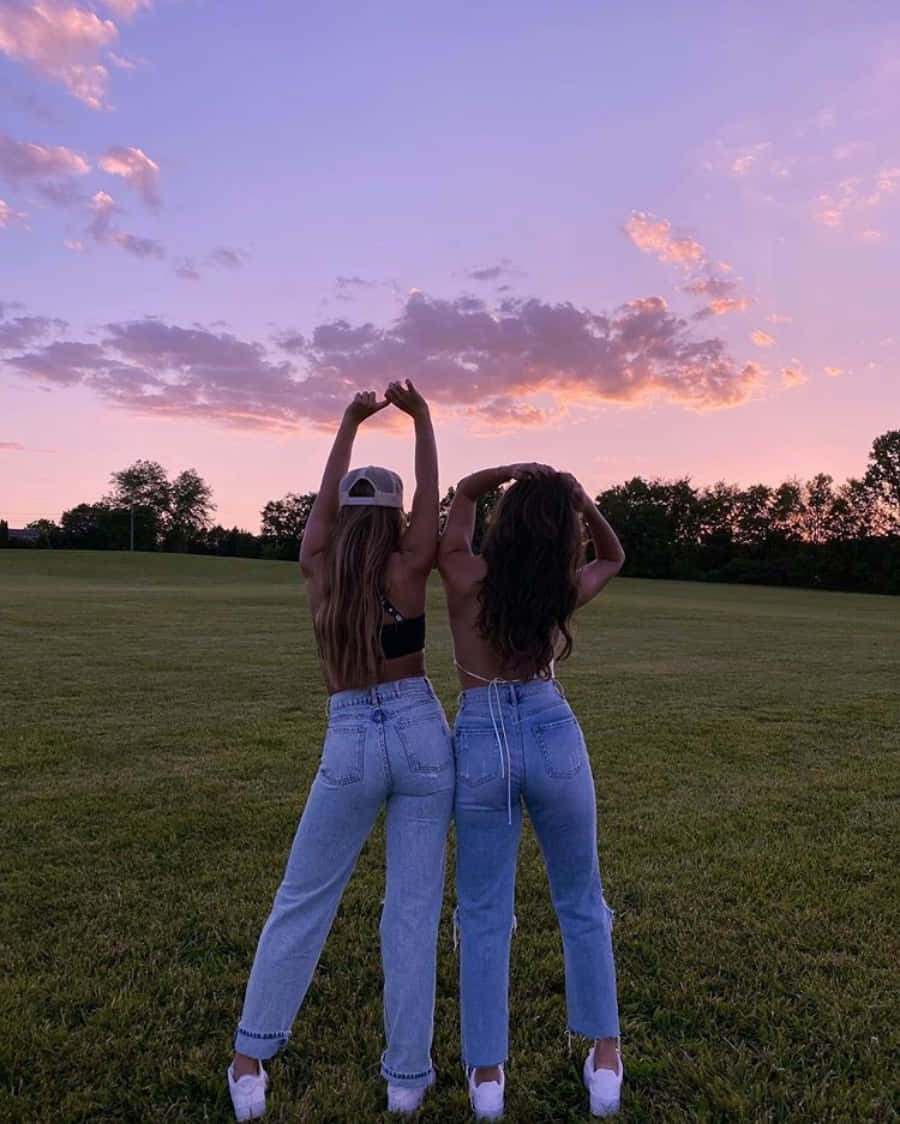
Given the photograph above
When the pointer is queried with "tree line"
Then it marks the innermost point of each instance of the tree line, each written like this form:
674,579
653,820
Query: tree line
807,533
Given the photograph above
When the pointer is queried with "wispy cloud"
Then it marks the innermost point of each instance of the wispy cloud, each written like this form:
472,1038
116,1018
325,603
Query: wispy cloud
137,169
104,231
61,41
654,236
496,272
25,330
12,447
8,215
745,159
853,194
834,372
226,258
722,306
762,339
50,170
722,293
187,270
794,375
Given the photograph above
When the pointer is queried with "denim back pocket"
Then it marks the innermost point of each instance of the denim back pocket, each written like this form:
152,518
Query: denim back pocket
343,755
426,743
562,746
478,755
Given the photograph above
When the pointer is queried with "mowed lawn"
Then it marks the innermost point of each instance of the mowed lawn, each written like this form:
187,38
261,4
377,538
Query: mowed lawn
160,723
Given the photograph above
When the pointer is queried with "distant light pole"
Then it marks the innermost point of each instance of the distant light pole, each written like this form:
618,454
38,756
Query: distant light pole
132,523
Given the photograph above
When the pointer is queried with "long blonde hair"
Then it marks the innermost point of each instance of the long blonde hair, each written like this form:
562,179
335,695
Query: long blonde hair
348,620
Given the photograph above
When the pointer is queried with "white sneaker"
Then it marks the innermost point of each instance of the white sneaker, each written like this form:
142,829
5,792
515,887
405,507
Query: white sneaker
604,1086
407,1101
487,1098
248,1093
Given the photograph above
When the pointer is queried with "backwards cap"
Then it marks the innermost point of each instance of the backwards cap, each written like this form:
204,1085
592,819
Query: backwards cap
386,485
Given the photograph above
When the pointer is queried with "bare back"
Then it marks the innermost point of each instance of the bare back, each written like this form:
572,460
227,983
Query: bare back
405,588
475,659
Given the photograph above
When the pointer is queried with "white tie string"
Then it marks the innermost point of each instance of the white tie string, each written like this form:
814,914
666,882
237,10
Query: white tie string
505,766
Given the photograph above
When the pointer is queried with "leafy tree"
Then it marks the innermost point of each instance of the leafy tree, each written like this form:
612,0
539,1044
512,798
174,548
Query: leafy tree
283,523
234,543
815,518
189,509
50,533
854,512
143,487
883,474
786,513
752,518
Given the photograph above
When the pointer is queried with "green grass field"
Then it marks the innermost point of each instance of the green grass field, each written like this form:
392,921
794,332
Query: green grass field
161,723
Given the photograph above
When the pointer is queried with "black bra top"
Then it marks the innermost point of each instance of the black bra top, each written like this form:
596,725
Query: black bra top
403,636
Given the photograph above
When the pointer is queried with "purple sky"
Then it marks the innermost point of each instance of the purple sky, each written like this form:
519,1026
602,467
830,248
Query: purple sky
658,242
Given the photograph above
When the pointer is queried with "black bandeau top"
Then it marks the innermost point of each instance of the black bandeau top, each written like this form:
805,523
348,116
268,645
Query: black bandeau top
403,635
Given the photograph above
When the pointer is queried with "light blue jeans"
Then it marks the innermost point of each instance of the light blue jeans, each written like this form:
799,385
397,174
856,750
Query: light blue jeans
385,745
515,742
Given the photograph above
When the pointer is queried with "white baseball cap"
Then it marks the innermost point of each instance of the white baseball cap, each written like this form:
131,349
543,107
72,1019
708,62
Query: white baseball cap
387,488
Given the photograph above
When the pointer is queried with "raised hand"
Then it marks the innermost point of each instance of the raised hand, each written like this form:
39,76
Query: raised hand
364,405
406,398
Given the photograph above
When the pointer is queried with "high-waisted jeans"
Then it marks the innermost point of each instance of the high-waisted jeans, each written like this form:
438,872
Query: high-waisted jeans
385,745
515,742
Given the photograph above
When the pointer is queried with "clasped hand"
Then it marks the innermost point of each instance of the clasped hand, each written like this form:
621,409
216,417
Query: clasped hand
404,396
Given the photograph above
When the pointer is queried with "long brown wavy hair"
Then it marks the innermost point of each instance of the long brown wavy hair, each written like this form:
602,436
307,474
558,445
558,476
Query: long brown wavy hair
532,550
348,619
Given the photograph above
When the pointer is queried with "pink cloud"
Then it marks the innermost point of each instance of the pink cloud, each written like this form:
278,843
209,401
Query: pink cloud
50,169
722,306
654,236
793,375
8,215
127,9
12,447
226,258
851,195
746,159
25,330
496,272
465,355
871,237
723,293
187,270
762,339
779,318
834,372
137,169
64,362
103,230
61,41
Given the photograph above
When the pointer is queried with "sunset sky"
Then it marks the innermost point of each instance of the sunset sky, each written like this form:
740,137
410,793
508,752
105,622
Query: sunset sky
656,239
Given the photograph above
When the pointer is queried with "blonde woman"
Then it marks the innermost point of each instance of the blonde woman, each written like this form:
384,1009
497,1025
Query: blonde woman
387,744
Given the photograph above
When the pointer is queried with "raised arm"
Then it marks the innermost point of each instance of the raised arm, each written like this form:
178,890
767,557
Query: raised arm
608,553
460,526
325,507
419,542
